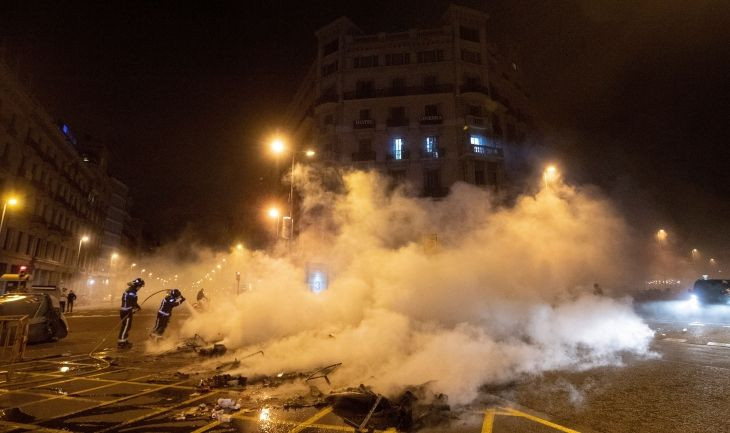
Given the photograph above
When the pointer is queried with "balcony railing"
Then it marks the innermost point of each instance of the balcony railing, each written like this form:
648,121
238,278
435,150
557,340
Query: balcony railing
393,156
434,154
368,155
398,121
474,88
485,150
435,119
363,124
399,91
476,121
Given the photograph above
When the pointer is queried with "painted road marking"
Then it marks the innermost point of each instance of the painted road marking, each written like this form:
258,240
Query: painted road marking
29,427
312,419
515,412
713,343
160,411
675,340
488,423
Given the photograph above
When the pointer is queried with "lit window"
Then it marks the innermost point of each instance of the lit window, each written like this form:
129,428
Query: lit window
477,143
431,144
398,148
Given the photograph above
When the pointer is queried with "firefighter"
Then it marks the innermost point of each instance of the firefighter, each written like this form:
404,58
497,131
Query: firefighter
126,312
172,300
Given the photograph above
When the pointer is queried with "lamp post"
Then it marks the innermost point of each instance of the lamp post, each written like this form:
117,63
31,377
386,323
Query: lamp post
12,201
82,240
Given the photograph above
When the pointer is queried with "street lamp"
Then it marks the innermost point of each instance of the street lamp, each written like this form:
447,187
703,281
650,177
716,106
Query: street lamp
274,214
82,240
550,174
12,202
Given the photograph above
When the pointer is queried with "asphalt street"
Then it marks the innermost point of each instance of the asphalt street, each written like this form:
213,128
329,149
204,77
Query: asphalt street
682,388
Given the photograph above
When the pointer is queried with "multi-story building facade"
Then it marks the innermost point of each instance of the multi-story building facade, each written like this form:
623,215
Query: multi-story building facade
430,107
63,190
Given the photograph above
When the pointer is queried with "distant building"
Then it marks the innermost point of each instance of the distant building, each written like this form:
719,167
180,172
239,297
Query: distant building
64,194
427,106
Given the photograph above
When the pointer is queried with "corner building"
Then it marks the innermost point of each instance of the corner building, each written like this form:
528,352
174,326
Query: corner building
429,107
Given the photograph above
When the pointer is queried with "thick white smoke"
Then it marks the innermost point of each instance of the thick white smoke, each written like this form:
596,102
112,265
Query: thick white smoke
504,291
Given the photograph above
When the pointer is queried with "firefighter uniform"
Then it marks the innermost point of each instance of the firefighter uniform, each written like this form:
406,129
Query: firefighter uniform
126,312
172,300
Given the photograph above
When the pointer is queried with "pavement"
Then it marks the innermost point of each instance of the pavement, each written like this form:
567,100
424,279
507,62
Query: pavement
683,388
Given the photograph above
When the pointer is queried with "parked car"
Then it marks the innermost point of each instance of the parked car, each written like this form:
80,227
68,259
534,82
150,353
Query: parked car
45,320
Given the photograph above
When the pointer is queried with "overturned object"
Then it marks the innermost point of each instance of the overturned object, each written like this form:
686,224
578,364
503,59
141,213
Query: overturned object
216,350
365,410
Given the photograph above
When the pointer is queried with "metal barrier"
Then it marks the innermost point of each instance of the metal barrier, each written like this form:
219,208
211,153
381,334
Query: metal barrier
13,338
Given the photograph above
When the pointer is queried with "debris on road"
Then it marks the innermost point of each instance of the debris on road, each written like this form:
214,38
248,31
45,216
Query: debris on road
216,349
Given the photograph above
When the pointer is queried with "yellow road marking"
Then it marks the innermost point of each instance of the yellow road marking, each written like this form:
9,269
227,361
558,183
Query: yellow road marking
348,429
311,420
540,420
488,423
31,427
66,397
207,427
160,411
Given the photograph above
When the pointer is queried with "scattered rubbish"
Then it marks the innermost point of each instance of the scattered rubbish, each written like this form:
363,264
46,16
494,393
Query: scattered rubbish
323,372
222,381
58,391
364,410
217,349
13,414
227,403
181,375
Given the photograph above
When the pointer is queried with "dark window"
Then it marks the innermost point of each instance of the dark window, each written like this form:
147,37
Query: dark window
29,245
329,68
365,145
8,238
365,89
479,173
431,110
331,47
365,61
365,114
399,86
471,57
430,56
474,110
397,113
432,182
394,59
492,173
18,242
469,34
430,82
496,125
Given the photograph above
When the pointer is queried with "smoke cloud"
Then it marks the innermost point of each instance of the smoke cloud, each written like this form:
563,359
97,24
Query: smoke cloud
455,293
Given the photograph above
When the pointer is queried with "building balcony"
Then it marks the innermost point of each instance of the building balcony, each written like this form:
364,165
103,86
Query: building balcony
399,91
404,155
435,119
368,155
434,154
476,121
326,99
474,88
485,151
396,122
363,124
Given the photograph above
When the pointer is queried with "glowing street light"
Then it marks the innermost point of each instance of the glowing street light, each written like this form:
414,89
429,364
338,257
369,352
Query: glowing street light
309,153
239,247
277,146
12,202
661,236
274,214
83,239
550,174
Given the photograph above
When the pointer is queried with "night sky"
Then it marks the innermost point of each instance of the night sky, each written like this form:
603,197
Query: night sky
636,94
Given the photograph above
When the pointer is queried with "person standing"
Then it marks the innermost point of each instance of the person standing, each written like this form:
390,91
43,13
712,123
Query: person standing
71,297
126,312
172,300
62,300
